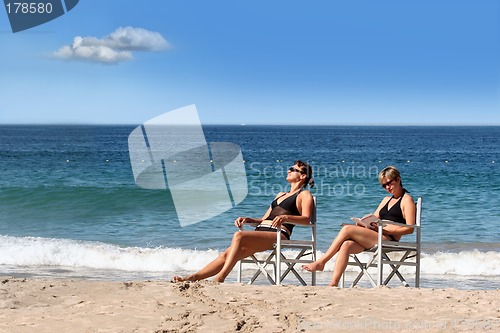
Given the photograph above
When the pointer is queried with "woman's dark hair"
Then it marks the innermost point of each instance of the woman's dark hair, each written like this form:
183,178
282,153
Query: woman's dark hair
308,171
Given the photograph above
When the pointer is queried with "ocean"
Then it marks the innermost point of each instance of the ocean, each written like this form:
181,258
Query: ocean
71,208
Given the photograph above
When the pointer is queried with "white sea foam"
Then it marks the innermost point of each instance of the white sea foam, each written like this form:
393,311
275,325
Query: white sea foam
462,263
35,251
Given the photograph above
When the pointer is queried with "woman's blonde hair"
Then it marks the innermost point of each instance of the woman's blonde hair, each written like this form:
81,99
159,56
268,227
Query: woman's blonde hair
390,172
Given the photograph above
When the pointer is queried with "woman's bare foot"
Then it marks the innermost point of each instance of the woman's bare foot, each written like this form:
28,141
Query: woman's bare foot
218,279
333,284
314,266
177,278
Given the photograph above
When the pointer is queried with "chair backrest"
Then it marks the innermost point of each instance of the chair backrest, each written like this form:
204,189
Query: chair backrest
313,220
418,222
418,217
313,215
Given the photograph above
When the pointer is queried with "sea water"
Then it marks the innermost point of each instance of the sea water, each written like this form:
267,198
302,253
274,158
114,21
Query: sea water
70,206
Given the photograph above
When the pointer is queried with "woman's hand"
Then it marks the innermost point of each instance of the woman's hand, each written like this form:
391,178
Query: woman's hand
240,221
279,220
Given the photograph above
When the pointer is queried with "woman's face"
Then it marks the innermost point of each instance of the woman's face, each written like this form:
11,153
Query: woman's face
294,174
390,184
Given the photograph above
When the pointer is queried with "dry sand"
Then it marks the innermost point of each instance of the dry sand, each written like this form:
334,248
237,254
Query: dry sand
35,305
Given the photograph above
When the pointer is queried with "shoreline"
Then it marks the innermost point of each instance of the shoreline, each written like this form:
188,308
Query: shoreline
456,265
427,281
48,305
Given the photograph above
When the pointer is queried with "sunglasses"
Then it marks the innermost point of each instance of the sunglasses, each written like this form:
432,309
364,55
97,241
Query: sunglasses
384,185
292,169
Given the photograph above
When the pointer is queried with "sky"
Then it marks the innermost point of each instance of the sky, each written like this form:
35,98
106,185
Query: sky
320,62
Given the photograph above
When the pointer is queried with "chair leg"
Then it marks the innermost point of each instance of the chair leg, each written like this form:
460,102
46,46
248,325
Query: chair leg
395,269
297,275
417,271
364,271
262,269
379,260
238,277
291,268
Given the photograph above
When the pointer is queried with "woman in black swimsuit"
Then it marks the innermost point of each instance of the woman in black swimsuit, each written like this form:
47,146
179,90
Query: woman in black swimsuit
286,210
398,207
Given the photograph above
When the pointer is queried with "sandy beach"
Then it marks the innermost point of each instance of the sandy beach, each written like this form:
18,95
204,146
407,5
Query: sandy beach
57,305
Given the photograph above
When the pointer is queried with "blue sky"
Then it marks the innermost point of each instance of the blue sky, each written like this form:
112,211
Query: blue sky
428,62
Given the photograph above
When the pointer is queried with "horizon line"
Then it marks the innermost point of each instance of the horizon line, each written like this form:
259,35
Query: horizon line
255,124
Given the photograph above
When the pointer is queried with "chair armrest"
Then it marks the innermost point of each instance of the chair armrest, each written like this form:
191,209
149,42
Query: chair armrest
304,225
385,222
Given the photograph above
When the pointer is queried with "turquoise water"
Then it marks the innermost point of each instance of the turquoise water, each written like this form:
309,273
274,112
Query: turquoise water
69,202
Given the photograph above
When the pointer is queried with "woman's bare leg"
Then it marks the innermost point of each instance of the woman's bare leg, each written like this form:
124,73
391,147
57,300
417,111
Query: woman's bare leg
347,248
262,241
365,237
209,270
245,243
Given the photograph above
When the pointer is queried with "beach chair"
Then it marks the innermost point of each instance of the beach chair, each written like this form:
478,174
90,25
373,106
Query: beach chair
392,254
305,253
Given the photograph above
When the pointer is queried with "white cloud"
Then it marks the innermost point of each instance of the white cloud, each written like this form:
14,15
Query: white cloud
114,48
137,39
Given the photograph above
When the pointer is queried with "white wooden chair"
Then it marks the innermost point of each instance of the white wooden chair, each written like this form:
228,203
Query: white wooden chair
276,258
391,253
